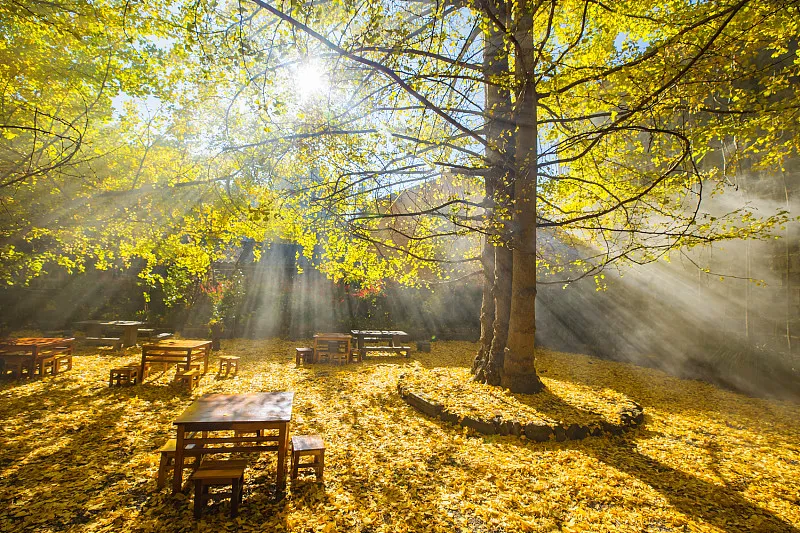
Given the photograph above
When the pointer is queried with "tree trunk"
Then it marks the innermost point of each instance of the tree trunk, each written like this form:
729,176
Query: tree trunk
495,256
487,311
519,369
502,312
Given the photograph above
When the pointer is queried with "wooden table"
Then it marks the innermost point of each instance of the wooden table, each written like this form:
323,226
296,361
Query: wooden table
35,349
321,339
393,337
130,329
176,352
246,413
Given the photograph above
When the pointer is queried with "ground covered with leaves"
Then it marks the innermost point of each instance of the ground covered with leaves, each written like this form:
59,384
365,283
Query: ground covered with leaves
76,455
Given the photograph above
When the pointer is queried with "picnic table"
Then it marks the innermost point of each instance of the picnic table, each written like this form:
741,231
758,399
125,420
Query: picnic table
393,338
181,352
95,330
34,351
252,413
323,343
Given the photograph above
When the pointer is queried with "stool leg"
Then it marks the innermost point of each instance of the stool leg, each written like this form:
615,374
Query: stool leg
220,366
163,467
236,497
320,468
294,465
198,498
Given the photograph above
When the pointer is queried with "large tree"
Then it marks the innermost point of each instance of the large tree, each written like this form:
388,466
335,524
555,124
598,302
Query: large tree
563,135
587,119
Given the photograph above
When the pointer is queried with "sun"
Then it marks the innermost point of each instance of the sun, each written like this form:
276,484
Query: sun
310,80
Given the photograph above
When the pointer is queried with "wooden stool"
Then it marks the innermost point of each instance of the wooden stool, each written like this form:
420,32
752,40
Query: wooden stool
188,378
228,363
124,375
303,355
308,445
16,365
65,360
47,365
219,473
167,462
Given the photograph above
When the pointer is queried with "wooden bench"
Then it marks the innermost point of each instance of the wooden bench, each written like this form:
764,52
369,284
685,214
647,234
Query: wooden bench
151,335
219,473
308,445
189,378
396,349
114,342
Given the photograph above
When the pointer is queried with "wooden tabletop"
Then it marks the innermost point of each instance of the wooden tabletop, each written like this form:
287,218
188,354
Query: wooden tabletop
30,342
111,322
376,333
184,344
239,408
332,336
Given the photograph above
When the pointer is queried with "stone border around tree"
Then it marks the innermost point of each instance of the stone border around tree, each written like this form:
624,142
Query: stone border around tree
631,415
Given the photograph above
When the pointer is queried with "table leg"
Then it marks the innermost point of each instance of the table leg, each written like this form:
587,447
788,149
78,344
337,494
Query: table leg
205,359
35,362
143,367
283,446
362,349
31,366
177,476
129,334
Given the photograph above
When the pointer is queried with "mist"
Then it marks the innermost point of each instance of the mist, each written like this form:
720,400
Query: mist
725,313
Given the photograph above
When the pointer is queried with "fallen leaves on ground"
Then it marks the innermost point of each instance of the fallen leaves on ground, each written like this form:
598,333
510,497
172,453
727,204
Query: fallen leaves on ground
79,456
561,403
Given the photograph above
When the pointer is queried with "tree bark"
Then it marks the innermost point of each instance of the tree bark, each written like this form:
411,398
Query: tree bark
495,256
502,313
519,360
487,311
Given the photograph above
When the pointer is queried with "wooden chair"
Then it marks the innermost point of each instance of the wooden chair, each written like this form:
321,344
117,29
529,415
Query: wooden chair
219,473
308,445
228,363
167,462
